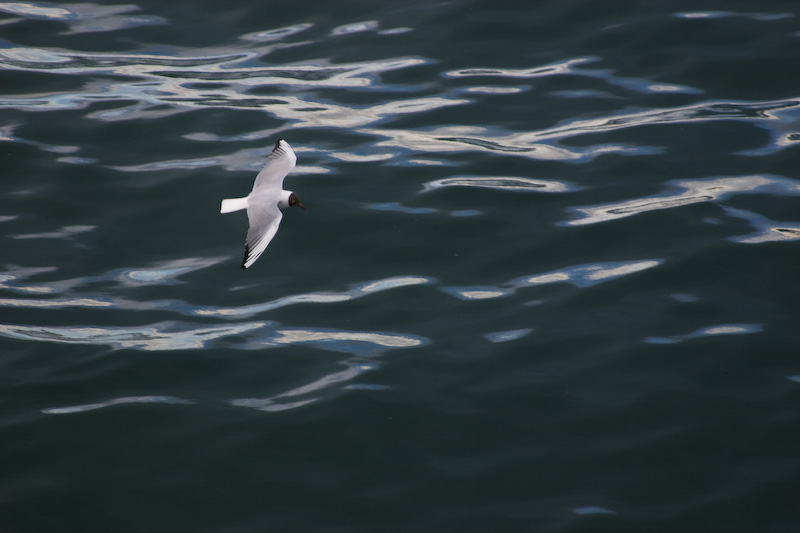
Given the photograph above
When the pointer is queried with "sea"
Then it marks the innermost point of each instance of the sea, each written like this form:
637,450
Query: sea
548,278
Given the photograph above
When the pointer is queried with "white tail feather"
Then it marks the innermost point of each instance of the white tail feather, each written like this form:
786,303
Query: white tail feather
233,204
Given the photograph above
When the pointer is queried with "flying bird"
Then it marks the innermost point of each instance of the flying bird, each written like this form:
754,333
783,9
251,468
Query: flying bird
265,202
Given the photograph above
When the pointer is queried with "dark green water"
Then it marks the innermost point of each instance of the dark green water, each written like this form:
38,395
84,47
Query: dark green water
547,280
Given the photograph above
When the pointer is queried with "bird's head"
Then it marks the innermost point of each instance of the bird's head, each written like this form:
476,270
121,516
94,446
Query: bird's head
295,201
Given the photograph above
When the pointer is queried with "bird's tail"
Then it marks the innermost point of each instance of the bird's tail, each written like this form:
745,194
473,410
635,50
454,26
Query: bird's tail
233,204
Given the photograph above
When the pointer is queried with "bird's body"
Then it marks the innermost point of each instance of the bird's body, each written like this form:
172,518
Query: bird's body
265,202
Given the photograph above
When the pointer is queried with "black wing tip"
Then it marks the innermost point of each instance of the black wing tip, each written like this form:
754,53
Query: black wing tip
246,256
278,150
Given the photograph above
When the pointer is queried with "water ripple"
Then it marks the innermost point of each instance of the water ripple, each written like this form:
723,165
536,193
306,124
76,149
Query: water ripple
179,306
356,291
60,303
276,34
711,331
571,67
169,336
11,278
776,116
503,183
398,208
163,273
84,17
763,17
167,273
560,67
289,399
506,336
115,401
766,230
687,192
705,111
67,232
7,134
148,86
475,138
293,398
593,510
579,276
227,79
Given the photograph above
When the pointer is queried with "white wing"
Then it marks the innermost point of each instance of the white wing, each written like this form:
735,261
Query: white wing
281,162
264,221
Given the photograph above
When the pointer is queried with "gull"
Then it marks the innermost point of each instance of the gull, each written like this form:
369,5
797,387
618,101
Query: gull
265,202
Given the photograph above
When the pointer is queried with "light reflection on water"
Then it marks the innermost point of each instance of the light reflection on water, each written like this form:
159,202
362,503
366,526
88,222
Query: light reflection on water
116,401
186,336
251,336
66,232
293,398
84,17
147,85
688,192
504,183
572,67
456,276
79,292
579,276
762,17
766,230
183,335
711,331
156,86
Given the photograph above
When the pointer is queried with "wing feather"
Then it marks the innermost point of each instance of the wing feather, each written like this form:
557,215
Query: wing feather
280,162
264,222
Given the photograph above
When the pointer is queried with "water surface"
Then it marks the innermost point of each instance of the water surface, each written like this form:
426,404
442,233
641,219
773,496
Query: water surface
546,280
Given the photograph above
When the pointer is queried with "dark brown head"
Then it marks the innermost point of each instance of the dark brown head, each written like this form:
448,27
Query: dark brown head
294,200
